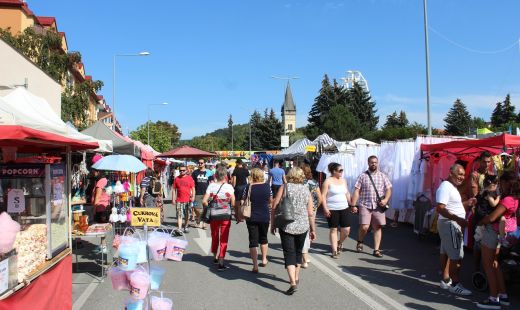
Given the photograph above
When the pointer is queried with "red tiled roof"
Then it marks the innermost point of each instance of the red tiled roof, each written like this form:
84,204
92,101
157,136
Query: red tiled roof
45,21
100,97
17,3
88,77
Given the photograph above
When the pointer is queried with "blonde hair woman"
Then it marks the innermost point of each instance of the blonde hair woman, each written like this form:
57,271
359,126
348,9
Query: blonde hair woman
293,234
261,199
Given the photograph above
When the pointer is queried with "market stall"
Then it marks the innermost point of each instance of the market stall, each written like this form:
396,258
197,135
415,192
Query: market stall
35,200
120,146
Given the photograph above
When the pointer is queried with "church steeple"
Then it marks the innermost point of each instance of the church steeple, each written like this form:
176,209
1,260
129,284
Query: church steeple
288,111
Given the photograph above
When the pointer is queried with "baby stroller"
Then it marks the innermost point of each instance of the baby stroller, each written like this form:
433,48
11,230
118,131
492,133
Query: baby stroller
509,262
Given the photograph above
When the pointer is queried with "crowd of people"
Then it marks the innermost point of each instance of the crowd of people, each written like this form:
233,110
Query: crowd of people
490,200
492,204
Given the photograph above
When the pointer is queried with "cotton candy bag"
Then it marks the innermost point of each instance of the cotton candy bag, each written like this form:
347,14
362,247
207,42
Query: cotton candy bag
8,231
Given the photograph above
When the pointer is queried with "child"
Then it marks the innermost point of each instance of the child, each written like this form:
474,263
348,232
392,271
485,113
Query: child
487,200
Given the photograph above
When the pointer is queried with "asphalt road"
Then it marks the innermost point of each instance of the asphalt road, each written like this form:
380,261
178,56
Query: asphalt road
406,277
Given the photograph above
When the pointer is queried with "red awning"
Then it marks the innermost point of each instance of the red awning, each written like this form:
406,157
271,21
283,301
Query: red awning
494,145
186,152
31,139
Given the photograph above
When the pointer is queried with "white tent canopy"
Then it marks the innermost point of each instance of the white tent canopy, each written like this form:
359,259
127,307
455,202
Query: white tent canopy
361,141
297,147
34,112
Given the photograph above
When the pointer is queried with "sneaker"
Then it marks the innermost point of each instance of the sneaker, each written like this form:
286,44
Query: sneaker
460,290
489,304
186,230
179,232
222,267
504,301
445,285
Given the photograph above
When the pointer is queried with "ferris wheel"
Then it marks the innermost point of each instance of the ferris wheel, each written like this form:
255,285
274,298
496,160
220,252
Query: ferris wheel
354,76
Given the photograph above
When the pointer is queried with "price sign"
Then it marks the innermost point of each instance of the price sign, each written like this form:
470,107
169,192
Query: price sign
310,148
15,201
148,216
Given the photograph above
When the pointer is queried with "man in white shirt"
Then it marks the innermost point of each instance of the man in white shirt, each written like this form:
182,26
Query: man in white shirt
452,221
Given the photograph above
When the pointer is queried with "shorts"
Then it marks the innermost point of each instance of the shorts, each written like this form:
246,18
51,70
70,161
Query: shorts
451,239
369,216
257,233
339,218
489,237
239,192
182,209
197,204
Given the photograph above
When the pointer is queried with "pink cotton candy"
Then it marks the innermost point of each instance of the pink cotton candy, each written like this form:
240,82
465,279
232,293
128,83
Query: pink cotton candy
8,231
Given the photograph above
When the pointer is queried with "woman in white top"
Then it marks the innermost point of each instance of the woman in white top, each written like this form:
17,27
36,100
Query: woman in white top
336,207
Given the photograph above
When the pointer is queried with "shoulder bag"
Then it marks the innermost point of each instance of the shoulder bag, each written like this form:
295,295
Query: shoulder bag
285,211
379,198
206,214
217,211
245,208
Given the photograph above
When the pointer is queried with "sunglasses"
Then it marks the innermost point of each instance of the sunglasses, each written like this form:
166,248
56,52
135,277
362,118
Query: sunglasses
182,170
201,163
340,170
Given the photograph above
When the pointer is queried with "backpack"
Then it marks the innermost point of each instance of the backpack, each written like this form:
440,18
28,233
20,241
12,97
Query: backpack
155,187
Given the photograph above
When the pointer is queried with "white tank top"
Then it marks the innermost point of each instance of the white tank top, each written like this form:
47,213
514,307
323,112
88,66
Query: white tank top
336,197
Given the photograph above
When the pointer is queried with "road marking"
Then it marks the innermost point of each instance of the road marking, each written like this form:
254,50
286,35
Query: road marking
203,241
354,290
369,301
84,296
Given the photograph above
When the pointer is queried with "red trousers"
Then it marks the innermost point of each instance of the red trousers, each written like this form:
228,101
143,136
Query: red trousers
219,236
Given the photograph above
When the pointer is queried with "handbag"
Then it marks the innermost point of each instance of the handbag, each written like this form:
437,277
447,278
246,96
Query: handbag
284,213
379,199
206,214
245,208
217,211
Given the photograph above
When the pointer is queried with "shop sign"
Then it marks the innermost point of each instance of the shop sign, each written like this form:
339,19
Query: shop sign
4,275
148,216
22,171
15,201
310,148
284,141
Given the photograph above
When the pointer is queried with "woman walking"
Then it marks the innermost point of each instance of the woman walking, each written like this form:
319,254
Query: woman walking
261,199
223,193
507,208
335,207
293,234
314,188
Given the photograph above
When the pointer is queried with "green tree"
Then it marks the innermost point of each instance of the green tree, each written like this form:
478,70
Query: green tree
163,135
296,135
458,120
271,131
362,107
392,121
478,122
322,104
497,115
508,111
256,130
231,133
341,125
395,133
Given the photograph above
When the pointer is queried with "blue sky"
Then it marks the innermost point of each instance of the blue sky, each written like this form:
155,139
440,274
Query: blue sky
210,59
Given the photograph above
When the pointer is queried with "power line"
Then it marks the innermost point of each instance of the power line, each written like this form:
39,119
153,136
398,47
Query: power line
472,50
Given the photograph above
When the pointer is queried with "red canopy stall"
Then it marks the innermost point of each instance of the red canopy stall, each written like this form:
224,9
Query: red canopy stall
35,153
186,151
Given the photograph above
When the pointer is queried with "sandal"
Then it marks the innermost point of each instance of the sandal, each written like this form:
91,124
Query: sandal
377,253
335,255
359,246
340,247
254,270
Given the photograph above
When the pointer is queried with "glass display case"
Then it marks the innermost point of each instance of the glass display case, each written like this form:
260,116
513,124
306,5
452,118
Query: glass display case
35,196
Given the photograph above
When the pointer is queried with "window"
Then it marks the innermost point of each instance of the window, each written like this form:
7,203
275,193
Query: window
289,127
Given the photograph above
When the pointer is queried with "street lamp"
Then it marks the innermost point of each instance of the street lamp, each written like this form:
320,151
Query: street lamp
427,49
114,83
148,122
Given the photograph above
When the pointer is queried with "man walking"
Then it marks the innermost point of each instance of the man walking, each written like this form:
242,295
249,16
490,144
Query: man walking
373,190
451,222
277,177
201,177
183,194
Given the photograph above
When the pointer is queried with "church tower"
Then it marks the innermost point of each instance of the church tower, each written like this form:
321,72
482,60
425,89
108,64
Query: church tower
288,111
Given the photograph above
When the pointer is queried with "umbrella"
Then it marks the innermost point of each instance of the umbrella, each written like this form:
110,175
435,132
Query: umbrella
186,152
119,163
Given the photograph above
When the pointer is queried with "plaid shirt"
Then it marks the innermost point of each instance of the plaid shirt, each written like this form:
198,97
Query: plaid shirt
367,195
